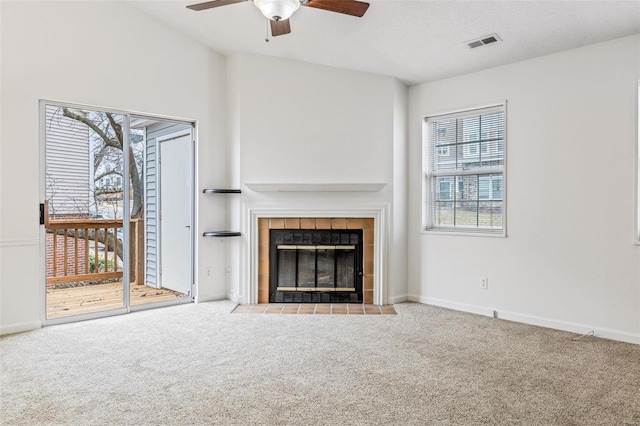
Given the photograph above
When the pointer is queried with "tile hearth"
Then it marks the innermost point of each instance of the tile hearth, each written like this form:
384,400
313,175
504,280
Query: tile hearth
315,309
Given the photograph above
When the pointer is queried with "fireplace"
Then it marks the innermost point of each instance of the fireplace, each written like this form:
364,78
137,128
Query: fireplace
315,266
365,256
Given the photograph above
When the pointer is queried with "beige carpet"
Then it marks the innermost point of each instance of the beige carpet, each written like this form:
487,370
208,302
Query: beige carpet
198,364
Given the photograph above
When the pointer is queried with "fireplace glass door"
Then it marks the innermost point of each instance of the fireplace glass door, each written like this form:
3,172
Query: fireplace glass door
320,266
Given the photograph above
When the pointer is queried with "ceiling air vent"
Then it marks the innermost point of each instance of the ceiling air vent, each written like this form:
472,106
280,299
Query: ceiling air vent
488,39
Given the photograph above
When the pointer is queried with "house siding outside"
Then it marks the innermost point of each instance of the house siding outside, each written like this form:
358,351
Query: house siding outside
67,157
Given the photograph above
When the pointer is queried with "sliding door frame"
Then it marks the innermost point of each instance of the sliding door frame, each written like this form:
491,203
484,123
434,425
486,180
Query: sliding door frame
126,216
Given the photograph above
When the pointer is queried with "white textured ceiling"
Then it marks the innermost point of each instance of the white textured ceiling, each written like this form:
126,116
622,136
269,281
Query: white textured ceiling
415,40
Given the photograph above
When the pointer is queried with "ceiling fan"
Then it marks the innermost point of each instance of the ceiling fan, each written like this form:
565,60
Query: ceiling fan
279,11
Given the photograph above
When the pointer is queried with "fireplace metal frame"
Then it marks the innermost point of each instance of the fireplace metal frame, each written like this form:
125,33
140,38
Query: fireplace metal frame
318,239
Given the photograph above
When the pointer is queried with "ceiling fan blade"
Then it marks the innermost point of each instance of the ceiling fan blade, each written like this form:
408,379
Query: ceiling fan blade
348,7
280,27
212,4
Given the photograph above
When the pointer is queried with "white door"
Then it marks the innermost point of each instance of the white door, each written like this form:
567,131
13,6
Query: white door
175,213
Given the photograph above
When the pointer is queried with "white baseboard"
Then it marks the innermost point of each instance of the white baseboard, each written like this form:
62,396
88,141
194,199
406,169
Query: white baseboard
479,310
605,333
19,328
531,319
398,299
210,297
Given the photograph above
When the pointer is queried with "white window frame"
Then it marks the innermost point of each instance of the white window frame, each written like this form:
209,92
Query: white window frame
427,194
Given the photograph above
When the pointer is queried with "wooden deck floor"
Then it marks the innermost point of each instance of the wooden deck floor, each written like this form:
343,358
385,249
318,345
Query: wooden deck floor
93,298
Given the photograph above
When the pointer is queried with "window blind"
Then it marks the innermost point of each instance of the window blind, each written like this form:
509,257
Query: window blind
465,170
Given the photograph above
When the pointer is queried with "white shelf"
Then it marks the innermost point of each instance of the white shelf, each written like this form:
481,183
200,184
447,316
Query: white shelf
316,187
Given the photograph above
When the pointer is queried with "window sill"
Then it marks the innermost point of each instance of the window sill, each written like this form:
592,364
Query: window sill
502,234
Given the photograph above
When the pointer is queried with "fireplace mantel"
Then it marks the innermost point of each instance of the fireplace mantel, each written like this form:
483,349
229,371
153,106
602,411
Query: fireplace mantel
317,187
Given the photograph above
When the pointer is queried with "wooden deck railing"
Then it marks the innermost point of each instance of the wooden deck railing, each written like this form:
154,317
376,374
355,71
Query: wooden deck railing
75,240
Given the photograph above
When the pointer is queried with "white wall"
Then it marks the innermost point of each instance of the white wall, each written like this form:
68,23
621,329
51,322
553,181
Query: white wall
103,54
569,260
294,122
399,233
312,123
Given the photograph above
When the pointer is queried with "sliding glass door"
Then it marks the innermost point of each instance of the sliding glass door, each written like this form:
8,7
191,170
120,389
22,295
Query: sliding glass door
102,215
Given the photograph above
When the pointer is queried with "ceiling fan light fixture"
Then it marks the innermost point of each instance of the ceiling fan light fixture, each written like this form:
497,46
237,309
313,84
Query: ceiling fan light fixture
277,10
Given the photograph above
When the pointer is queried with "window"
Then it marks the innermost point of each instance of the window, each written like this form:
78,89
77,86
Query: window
464,188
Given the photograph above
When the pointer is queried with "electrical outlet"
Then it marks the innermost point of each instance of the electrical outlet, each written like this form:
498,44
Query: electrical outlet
484,283
208,271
